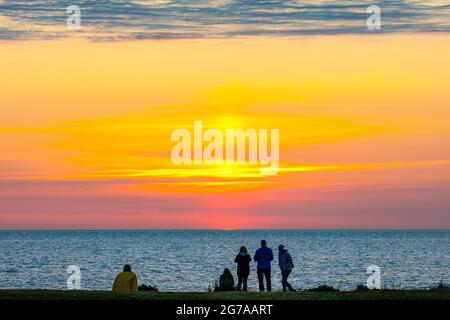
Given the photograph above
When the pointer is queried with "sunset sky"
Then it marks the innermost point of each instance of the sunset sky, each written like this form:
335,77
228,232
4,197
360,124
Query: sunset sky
86,119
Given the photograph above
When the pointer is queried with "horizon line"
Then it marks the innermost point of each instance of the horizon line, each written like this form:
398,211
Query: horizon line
226,229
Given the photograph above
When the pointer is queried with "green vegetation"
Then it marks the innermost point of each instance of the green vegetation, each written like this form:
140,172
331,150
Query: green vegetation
324,288
144,287
385,294
442,286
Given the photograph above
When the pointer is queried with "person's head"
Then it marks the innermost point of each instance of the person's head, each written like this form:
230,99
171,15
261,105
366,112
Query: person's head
127,268
263,243
226,271
281,248
243,249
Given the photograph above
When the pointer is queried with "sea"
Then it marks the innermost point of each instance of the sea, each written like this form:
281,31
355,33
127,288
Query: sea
192,260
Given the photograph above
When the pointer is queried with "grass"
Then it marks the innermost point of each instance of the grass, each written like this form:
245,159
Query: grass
385,294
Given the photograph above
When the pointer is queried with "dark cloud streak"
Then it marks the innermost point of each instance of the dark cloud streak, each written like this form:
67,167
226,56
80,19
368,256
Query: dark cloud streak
126,19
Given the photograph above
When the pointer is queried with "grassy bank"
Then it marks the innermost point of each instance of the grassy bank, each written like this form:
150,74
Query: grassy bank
107,295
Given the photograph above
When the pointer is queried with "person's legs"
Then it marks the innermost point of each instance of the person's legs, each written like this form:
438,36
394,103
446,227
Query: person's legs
245,278
285,282
268,280
239,282
284,276
261,279
290,287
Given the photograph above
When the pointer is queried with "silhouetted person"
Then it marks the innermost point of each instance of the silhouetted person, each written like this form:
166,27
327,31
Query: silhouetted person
243,260
263,256
226,281
286,265
126,281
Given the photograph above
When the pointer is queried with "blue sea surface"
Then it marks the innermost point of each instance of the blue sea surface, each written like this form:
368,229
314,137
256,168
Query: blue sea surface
185,260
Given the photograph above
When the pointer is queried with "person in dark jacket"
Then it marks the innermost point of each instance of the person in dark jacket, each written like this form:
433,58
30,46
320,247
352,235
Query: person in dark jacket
286,265
226,281
263,256
243,260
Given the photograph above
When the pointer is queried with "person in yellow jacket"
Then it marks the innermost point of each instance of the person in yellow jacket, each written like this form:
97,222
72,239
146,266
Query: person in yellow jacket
126,281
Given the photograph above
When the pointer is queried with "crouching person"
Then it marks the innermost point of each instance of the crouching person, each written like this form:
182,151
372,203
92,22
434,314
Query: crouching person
226,281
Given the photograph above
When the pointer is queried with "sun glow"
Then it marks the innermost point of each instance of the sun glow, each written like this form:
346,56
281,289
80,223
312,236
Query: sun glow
363,124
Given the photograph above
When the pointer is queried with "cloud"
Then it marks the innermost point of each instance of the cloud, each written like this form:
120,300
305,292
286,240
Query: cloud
107,20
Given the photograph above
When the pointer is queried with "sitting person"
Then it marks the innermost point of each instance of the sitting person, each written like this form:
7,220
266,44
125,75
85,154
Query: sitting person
126,281
226,281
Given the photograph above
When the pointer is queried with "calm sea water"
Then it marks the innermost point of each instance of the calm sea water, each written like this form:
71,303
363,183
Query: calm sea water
192,260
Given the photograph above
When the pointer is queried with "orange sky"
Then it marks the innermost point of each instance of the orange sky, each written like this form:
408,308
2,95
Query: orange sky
364,132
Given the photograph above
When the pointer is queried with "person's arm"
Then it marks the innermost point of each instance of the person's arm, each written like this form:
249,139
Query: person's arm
134,284
290,260
271,255
256,257
236,259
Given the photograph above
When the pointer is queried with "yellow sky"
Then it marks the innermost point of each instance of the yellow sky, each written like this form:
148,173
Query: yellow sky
343,75
316,90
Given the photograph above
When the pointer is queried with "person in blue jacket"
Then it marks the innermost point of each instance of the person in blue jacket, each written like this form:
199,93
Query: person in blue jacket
263,257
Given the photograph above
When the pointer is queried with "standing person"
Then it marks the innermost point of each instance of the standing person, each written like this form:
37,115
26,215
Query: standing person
243,260
126,281
263,256
286,265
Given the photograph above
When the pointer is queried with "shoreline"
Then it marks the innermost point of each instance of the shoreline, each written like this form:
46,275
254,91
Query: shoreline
87,295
